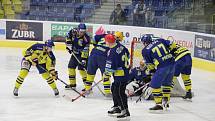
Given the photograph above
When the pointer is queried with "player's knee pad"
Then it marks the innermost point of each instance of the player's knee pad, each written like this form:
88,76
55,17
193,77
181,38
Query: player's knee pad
185,77
71,71
25,65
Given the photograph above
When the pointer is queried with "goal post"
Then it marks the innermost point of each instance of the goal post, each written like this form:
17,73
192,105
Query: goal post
136,57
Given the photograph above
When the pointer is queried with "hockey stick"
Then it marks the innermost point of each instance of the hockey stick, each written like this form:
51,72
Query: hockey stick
73,54
61,81
139,99
70,87
83,93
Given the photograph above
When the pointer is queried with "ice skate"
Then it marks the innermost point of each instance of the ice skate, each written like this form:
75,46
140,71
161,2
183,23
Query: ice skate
56,92
114,111
188,96
124,114
15,92
70,86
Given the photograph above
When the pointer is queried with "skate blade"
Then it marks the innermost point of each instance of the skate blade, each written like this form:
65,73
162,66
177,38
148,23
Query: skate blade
158,111
188,100
114,115
124,119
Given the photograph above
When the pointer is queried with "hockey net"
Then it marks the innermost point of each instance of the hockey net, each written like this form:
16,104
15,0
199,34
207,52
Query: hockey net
136,57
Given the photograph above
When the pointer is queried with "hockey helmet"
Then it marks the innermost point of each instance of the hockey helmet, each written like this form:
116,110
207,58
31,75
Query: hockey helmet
146,39
110,38
82,27
119,35
49,43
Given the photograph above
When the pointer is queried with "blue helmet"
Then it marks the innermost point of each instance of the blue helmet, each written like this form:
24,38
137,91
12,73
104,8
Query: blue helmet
82,27
49,43
146,39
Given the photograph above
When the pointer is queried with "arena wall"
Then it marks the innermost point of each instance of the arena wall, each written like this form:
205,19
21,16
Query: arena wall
23,33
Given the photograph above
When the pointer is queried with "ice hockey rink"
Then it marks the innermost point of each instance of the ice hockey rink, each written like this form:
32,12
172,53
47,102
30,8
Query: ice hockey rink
36,101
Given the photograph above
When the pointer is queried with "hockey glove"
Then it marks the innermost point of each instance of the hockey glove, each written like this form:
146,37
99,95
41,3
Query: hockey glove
84,62
131,87
54,74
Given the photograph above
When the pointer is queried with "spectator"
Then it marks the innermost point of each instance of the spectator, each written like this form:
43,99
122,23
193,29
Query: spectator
118,16
149,17
139,14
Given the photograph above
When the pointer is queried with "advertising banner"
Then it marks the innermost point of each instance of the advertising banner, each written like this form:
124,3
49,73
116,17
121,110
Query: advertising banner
130,33
59,31
24,30
2,29
204,47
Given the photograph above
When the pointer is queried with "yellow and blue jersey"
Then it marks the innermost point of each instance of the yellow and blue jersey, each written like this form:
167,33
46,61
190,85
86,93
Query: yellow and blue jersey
157,54
37,52
179,51
117,63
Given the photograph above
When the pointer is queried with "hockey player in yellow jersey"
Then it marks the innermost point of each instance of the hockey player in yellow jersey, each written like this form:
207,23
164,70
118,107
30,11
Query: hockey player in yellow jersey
183,66
41,56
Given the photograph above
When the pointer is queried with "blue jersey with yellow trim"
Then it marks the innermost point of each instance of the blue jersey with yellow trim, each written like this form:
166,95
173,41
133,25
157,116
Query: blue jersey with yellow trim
79,45
100,48
137,74
117,63
157,53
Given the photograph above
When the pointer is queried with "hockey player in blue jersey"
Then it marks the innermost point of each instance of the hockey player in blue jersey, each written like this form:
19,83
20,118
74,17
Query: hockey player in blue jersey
97,60
183,66
117,65
41,56
77,44
157,55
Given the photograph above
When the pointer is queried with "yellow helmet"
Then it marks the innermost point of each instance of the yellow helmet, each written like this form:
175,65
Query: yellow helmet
119,36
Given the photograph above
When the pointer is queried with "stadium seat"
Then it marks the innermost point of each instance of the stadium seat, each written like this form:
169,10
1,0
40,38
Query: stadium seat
17,6
9,13
1,13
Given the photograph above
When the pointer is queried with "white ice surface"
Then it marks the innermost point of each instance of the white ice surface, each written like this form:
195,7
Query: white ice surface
36,101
